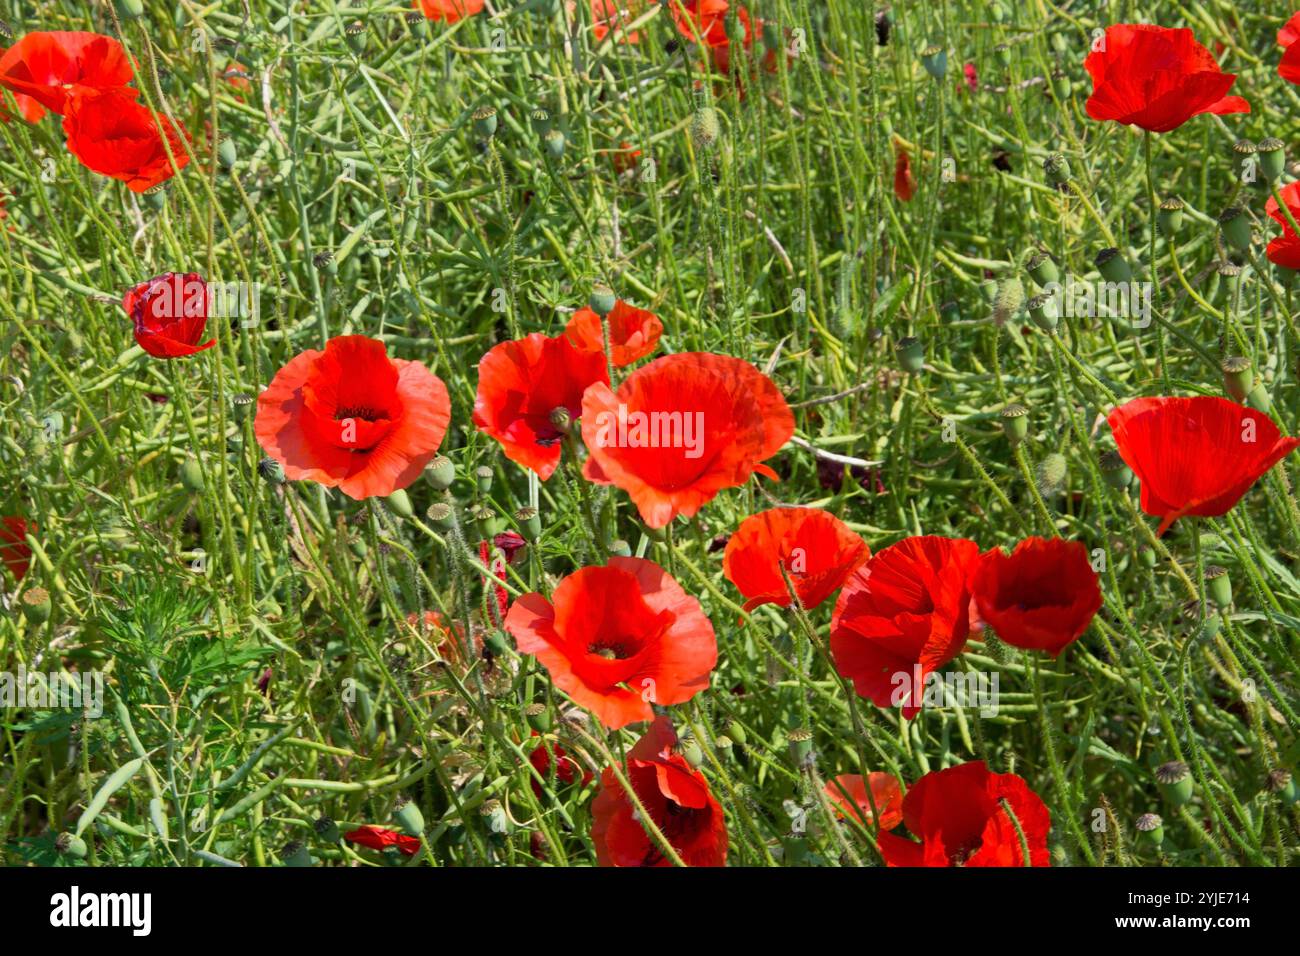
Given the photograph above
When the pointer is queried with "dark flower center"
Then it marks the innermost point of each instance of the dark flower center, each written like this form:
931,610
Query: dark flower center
363,412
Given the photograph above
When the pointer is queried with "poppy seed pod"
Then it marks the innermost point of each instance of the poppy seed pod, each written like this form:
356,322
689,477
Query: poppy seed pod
1057,169
327,831
1015,423
156,196
324,261
1042,269
36,605
271,471
539,717
440,473
442,515
1259,399
191,476
1238,377
1282,783
70,844
1218,585
1112,265
355,35
1003,51
1151,830
553,140
240,406
1042,311
1061,85
910,353
408,817
1235,226
1170,215
295,854
399,503
540,120
800,744
483,479
485,122
1229,281
1272,158
601,300
1114,470
530,520
1175,782
415,21
561,420
1244,148
935,61
621,548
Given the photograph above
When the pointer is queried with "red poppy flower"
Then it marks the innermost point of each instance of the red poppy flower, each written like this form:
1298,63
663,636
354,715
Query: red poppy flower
618,638
170,312
352,418
607,15
28,109
902,615
633,333
1285,249
1040,597
520,383
971,76
674,794
959,817
1195,456
48,67
817,550
904,183
377,838
1290,31
498,568
567,769
450,11
624,158
236,74
111,134
681,429
886,794
511,544
14,552
701,21
1156,78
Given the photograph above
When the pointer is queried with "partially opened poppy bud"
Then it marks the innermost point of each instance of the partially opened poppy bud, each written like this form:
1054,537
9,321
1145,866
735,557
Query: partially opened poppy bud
1114,471
1170,215
327,831
1042,269
70,844
1151,830
1015,423
226,153
191,476
1282,783
399,503
442,515
1056,169
553,140
1235,226
485,122
408,817
935,61
271,471
602,300
240,406
540,120
1238,377
483,479
705,128
36,605
531,521
1259,399
1218,585
911,354
1174,780
440,472
1272,158
355,34
1042,311
295,854
561,420
1112,265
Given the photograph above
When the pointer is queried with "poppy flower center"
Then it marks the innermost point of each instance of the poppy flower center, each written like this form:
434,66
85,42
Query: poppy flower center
363,412
613,650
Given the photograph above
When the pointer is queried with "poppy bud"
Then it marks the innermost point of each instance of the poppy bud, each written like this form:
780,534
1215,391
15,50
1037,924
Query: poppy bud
295,854
1151,830
1056,169
705,128
71,845
737,732
240,406
483,479
1229,281
399,503
1042,311
271,471
1219,585
935,61
497,643
130,9
541,121
355,34
1015,423
442,515
620,548
539,717
553,140
1061,85
1238,377
910,353
531,521
485,122
1235,226
989,290
226,153
691,751
1051,474
561,420
1258,398
800,741
1003,51
1174,780
327,831
408,817
1283,783
1112,265
1272,158
1042,269
191,476
36,605
601,300
359,548
1114,471
1170,215
440,472
1009,299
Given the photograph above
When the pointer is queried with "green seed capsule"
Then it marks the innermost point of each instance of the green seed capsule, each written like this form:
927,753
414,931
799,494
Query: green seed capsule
692,752
539,717
1235,226
1113,266
130,9
226,153
530,521
355,35
1229,281
399,503
1015,423
70,844
1042,269
191,476
553,140
1114,471
602,300
1272,158
1057,169
36,605
620,548
935,61
440,473
1042,311
485,122
1174,780
561,419
1219,585
409,818
800,745
1003,52
240,406
295,854
1151,831
1170,216
442,515
1282,783
1238,377
271,471
327,831
540,120
911,354
483,479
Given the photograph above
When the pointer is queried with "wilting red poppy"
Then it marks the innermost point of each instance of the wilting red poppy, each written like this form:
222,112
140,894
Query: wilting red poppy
624,158
904,183
14,552
959,817
512,544
1156,78
817,550
901,616
170,312
520,383
886,795
377,838
618,638
352,418
450,11
567,769
1040,597
49,67
1195,456
674,794
1285,249
681,429
450,639
112,134
633,333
